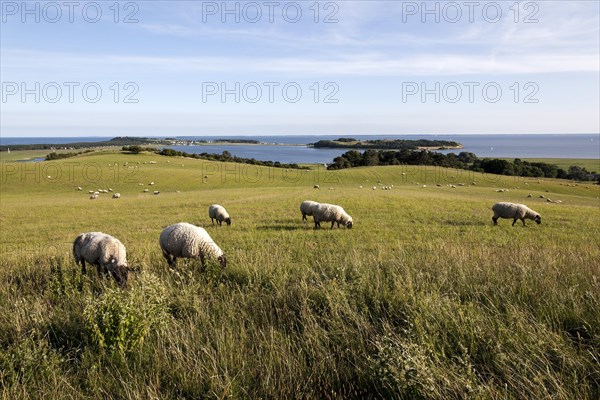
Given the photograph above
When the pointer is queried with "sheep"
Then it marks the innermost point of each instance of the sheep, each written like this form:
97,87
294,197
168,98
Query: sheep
188,241
145,190
515,211
156,192
79,188
316,187
217,212
116,196
306,208
107,253
94,196
330,212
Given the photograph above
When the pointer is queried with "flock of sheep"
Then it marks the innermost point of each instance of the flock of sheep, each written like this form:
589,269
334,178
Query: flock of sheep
181,240
184,240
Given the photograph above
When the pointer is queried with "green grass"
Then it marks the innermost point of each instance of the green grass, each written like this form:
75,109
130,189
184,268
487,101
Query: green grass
423,298
564,163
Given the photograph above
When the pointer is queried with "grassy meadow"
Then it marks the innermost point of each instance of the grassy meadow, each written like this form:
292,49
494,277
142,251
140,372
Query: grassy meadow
423,299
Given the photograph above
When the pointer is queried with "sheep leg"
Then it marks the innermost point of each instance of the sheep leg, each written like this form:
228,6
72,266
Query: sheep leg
523,219
317,224
220,222
202,263
495,219
170,261
303,217
212,221
333,223
515,220
83,270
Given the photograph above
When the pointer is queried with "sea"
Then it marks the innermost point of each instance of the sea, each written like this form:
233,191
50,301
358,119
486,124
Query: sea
293,149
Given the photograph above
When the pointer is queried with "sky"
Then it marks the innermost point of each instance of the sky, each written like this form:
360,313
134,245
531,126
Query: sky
164,68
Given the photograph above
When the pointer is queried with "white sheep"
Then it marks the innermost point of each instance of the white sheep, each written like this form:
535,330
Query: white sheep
79,188
306,208
515,211
94,196
116,196
331,212
316,187
188,241
156,192
217,212
107,253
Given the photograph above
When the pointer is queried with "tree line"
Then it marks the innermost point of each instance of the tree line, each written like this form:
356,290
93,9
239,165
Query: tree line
227,157
396,144
463,160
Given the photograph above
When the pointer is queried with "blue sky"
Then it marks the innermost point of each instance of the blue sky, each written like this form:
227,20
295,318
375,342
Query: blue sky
538,63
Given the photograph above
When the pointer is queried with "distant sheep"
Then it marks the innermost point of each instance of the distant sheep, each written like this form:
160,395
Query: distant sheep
185,240
515,211
116,196
94,196
306,208
156,192
79,188
324,212
104,251
217,212
316,187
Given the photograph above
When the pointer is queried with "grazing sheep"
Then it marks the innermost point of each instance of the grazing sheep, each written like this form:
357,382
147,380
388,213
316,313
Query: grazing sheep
316,187
79,188
515,211
188,241
156,192
94,196
330,212
145,190
116,196
104,251
306,208
219,213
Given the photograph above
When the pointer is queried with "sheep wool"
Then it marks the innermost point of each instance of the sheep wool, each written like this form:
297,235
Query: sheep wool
185,240
217,212
307,207
330,212
514,211
107,253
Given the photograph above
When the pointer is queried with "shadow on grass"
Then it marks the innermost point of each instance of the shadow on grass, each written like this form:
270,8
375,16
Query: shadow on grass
284,227
466,223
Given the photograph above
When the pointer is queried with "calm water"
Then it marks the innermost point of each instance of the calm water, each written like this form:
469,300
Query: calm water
512,146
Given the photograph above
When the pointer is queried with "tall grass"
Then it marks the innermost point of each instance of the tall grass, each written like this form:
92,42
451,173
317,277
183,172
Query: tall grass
423,298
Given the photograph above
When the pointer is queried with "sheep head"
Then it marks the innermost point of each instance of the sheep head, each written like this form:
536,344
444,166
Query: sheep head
222,261
120,274
538,219
228,221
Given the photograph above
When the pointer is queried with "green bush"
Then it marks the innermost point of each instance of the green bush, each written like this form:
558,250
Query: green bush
119,320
